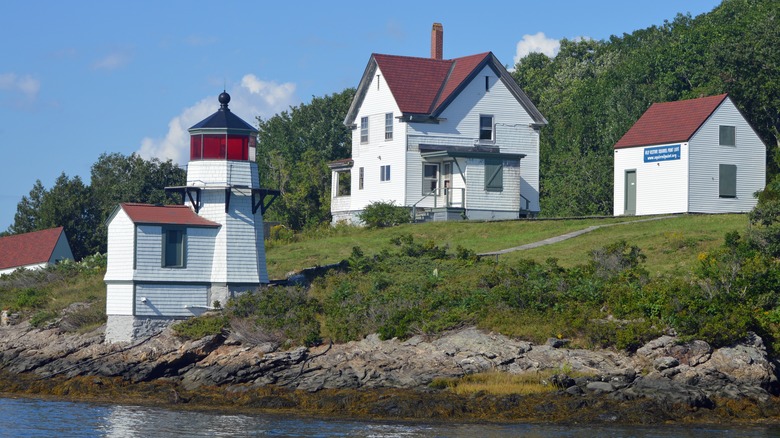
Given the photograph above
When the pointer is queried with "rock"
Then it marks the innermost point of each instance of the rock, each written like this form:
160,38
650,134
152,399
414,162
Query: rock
600,387
557,343
665,362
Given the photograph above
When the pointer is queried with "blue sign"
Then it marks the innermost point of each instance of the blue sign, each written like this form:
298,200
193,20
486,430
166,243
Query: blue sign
662,153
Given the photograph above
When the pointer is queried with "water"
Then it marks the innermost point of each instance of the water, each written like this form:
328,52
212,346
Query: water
43,418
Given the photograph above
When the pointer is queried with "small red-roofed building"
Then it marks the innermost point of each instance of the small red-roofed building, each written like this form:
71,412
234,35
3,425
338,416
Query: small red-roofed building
35,250
689,156
177,261
451,138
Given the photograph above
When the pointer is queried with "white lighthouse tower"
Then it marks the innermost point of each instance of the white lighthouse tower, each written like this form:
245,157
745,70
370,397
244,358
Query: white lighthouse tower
223,186
176,261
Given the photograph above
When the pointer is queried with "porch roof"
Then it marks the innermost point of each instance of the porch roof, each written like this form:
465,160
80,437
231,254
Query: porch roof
484,152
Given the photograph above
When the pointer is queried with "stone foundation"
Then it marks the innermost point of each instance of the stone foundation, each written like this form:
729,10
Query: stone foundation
127,328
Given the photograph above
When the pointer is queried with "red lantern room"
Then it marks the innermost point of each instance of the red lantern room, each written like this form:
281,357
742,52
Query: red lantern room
223,136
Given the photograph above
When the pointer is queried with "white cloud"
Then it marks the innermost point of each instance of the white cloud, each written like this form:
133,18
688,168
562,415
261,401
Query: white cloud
27,85
252,98
112,61
537,43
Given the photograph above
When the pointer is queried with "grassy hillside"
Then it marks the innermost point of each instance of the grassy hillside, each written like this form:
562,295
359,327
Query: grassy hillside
671,245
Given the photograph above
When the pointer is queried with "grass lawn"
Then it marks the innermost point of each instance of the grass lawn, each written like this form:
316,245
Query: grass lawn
671,245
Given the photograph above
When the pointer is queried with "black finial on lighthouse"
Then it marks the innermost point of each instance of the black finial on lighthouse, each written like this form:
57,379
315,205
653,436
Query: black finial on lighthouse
224,99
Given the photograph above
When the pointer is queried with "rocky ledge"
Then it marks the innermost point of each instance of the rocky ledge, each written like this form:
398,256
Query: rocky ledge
692,376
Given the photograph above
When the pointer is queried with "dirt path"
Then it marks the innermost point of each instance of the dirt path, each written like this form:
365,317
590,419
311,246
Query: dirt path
562,237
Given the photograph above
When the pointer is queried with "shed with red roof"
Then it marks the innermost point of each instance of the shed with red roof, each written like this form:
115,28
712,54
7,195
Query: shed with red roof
452,138
689,156
34,250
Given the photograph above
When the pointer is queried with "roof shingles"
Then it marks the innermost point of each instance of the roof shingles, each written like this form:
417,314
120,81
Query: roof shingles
29,248
165,215
670,122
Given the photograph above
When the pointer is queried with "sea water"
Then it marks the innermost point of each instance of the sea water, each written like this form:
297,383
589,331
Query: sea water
24,417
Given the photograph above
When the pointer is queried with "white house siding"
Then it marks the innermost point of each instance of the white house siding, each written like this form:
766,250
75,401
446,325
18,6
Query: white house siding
661,186
482,204
749,155
378,151
513,134
199,255
30,267
121,246
119,298
171,300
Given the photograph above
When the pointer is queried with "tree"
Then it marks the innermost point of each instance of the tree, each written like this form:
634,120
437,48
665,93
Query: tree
294,148
26,217
69,204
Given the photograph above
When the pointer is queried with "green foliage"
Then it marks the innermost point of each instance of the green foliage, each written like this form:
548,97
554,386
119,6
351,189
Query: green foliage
201,326
30,298
380,214
293,150
40,318
284,315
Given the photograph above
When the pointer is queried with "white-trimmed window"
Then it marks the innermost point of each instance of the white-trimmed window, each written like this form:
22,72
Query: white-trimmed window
728,135
384,173
486,127
430,178
389,126
174,247
364,130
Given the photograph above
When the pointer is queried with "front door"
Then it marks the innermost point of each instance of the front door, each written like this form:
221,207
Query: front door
630,206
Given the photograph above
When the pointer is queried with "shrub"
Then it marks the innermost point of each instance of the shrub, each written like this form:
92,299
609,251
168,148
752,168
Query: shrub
384,214
200,327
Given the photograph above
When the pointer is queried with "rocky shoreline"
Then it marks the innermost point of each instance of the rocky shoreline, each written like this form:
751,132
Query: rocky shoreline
663,381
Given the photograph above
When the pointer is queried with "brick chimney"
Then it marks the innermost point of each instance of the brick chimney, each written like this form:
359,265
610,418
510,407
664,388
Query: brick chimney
437,41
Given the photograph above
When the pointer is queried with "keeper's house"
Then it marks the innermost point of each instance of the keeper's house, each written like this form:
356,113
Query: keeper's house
689,156
34,250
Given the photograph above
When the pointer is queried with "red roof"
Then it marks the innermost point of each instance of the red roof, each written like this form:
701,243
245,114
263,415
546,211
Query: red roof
29,248
670,122
415,82
165,215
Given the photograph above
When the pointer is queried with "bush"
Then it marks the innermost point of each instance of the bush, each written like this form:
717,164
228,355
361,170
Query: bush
384,214
200,327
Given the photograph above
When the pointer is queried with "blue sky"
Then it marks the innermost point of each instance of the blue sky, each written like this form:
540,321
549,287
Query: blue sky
80,78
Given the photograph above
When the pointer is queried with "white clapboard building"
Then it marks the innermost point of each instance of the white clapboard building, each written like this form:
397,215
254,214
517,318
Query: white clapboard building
173,262
689,156
451,138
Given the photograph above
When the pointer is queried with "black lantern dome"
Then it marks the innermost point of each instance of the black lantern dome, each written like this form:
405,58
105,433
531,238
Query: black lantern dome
223,136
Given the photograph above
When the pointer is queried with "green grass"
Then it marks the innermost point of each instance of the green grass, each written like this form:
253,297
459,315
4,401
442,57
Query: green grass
671,245
336,246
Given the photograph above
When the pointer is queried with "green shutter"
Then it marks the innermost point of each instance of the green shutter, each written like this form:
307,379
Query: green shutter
494,175
727,181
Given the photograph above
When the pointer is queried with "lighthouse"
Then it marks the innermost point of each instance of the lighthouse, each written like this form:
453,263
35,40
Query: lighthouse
176,261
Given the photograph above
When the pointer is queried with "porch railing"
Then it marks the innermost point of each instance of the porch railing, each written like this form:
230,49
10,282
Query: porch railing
443,197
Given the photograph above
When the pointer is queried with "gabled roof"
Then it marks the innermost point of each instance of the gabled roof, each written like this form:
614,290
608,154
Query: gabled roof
28,248
425,86
164,215
670,122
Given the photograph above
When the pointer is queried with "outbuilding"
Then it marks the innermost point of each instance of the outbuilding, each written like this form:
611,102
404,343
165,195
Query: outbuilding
35,250
690,156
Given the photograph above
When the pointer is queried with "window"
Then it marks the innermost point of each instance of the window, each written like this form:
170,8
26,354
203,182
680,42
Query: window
384,173
430,178
487,83
486,127
174,242
389,126
727,181
344,184
494,175
728,136
364,130
360,179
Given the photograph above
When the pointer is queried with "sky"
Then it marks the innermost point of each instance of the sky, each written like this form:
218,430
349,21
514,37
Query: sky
81,78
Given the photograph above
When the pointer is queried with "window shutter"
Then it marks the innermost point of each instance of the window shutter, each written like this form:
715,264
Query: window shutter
494,175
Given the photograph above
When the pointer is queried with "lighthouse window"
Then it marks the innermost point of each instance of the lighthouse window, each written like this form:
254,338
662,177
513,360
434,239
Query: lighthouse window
237,147
214,147
174,241
196,145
